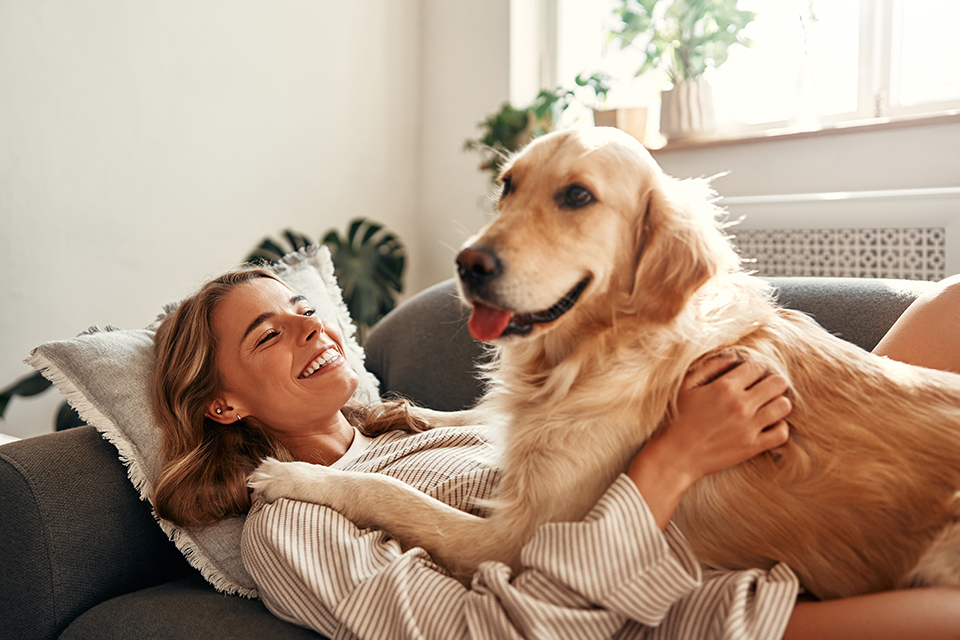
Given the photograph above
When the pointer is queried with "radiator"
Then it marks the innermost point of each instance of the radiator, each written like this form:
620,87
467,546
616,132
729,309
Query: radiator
913,253
830,234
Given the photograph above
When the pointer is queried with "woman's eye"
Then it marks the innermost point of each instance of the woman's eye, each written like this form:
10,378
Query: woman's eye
576,197
310,312
270,335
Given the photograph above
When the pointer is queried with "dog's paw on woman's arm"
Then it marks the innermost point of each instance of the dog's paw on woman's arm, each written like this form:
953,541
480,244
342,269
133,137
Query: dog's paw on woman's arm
274,479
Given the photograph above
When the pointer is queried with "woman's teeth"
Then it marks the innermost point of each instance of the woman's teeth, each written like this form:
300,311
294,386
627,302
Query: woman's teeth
326,357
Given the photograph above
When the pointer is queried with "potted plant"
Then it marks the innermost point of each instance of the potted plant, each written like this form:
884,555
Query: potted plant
683,39
508,130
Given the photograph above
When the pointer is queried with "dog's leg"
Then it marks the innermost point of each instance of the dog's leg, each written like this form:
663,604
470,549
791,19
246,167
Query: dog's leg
449,418
456,540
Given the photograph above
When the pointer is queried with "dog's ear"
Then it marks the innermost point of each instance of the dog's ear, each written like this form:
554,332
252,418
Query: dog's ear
678,248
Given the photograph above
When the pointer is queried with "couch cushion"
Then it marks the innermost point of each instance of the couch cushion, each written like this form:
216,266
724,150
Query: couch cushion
76,533
185,609
105,375
859,310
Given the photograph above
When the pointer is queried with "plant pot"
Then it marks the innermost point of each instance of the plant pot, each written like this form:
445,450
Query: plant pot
632,120
687,111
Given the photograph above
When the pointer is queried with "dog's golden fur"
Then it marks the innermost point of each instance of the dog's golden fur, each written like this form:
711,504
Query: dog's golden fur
861,498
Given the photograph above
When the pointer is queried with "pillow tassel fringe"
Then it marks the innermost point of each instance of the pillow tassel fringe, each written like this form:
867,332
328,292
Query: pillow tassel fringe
128,453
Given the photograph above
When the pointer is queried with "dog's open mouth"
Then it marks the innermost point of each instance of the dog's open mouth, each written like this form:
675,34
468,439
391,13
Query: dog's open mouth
489,323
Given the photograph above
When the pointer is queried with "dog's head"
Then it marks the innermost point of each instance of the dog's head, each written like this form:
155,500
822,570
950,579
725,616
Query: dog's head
588,227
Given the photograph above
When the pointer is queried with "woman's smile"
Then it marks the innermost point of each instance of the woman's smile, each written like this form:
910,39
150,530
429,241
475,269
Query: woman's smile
327,359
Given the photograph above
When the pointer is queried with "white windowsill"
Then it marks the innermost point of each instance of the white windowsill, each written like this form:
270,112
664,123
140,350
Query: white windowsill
852,126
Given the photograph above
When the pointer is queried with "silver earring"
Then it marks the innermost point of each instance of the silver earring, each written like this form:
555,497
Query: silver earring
239,418
219,411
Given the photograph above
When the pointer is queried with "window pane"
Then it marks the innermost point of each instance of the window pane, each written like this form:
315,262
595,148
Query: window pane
804,64
802,67
928,70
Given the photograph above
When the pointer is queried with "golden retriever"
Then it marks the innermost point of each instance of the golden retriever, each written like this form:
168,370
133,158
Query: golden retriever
602,282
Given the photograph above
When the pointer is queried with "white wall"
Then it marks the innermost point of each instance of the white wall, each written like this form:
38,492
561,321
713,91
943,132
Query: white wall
466,75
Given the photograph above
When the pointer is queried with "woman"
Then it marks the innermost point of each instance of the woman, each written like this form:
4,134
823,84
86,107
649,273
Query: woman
245,370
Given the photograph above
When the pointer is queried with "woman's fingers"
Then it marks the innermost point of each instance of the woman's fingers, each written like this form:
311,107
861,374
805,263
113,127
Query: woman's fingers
709,369
773,436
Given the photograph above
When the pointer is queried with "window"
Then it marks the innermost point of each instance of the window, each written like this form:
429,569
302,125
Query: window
815,63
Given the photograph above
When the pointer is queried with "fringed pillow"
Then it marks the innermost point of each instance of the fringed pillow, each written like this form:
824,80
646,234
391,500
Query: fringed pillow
105,375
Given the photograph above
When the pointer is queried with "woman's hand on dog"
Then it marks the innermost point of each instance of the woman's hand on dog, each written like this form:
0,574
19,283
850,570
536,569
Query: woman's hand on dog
727,412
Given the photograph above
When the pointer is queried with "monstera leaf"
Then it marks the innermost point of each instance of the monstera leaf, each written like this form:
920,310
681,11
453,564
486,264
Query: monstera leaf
369,265
269,251
34,384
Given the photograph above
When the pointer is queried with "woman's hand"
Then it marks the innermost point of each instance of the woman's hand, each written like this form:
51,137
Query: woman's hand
727,412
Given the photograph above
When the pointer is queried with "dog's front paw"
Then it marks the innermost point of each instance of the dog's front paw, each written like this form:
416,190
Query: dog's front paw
273,479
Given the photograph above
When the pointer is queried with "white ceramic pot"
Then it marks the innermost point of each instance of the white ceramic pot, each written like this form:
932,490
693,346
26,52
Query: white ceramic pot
687,111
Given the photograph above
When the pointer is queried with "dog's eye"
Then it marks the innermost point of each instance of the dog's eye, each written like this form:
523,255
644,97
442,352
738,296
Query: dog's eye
575,197
506,187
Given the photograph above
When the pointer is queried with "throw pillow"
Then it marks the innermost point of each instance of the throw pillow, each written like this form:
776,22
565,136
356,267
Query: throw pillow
105,375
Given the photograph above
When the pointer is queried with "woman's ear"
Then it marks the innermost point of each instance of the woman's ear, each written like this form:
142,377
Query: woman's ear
220,411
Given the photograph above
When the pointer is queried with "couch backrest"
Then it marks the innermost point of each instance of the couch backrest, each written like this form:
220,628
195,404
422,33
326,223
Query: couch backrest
423,351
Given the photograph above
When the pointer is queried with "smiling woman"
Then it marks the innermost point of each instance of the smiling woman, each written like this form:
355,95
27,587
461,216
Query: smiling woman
268,367
245,346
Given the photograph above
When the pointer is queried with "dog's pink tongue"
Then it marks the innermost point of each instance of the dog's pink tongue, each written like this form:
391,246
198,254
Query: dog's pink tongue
487,323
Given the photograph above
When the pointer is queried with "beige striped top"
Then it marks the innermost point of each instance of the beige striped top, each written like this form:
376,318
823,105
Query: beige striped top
613,575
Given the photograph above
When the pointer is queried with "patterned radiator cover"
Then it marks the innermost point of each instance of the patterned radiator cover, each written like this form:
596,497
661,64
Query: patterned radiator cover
913,253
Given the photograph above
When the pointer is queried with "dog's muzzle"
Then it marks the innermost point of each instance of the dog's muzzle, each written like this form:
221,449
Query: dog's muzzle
478,268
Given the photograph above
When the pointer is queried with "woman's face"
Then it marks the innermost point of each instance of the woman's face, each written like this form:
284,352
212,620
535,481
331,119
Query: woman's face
278,361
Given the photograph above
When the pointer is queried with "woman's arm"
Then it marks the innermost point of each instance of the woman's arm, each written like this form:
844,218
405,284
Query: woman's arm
928,332
930,614
615,573
720,422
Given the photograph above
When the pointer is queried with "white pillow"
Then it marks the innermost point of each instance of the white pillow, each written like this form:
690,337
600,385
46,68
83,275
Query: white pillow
105,375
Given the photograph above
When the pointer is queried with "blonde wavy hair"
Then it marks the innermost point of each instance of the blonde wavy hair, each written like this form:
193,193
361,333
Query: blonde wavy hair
205,464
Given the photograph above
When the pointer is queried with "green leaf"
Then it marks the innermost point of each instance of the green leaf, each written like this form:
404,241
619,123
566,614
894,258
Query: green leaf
26,386
67,418
269,251
682,37
369,266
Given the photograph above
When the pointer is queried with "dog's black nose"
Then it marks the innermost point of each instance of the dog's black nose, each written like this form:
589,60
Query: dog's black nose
477,266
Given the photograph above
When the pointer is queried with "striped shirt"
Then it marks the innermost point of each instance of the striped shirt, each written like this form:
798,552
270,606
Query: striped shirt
613,575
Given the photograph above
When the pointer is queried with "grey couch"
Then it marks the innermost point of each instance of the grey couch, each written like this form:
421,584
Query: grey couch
82,557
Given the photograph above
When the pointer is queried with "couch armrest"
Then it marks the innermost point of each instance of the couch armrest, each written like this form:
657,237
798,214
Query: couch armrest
75,533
